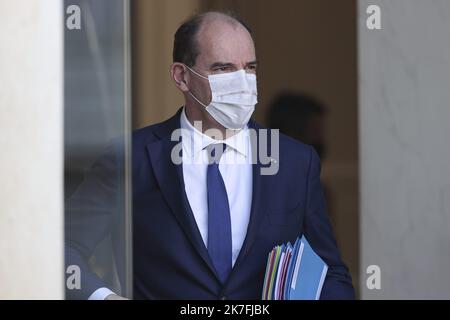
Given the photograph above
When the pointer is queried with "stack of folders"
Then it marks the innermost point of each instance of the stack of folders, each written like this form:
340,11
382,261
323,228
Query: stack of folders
294,272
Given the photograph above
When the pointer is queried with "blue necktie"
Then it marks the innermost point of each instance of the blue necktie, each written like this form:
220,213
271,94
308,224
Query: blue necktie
219,221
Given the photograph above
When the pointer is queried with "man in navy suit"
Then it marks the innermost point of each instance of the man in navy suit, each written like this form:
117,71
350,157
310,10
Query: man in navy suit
208,207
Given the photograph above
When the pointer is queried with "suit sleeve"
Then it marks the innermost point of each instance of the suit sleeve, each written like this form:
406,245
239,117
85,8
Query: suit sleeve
318,231
89,213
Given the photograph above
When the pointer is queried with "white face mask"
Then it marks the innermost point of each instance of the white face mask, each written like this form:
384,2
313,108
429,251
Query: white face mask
233,97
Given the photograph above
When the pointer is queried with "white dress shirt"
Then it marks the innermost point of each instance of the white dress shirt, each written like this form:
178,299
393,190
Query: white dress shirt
236,170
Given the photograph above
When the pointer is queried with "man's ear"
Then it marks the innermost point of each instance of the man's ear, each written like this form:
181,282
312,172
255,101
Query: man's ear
178,74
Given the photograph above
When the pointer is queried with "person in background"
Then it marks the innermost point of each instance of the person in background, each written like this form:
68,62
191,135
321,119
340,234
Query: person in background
302,117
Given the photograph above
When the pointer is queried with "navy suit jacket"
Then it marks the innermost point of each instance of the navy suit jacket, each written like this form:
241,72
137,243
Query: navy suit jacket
170,260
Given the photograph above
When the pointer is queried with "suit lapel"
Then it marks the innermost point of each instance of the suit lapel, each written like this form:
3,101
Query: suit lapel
170,179
260,194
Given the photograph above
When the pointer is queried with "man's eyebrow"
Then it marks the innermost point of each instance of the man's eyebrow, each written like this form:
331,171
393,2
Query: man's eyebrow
221,64
229,64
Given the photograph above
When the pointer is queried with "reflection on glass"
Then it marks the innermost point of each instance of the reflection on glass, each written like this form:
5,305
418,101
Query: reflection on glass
97,127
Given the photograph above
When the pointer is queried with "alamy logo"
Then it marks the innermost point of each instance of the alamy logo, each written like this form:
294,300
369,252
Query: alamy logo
374,279
73,20
261,146
73,280
373,21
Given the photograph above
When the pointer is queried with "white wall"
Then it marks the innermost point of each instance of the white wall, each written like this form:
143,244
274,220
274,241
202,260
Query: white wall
31,156
404,124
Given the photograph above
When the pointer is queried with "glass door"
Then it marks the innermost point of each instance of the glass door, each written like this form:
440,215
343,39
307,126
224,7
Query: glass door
97,134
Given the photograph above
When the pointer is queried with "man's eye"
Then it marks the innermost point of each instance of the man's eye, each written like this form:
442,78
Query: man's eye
223,69
251,69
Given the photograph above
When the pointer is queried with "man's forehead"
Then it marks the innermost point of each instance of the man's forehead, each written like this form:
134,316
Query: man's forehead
225,42
210,30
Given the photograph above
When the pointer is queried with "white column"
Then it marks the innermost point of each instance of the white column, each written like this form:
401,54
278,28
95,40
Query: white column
404,123
31,150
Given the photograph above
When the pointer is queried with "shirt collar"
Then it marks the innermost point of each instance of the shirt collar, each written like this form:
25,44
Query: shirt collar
194,141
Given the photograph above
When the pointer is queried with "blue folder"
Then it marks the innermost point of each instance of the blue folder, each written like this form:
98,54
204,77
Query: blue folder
308,275
291,269
304,276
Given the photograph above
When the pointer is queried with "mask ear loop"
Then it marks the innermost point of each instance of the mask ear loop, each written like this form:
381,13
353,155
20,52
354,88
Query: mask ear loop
196,73
195,98
192,95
